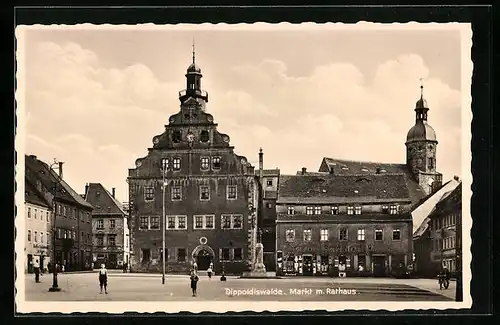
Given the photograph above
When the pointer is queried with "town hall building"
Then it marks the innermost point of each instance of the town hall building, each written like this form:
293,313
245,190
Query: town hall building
207,194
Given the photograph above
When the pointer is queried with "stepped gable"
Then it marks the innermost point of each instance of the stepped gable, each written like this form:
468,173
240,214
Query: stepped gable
38,170
33,196
103,200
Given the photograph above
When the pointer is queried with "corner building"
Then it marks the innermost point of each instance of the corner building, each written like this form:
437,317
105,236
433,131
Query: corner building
356,213
210,195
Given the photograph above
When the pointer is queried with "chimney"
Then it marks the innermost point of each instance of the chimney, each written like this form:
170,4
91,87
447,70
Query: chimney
456,178
377,170
86,189
304,170
113,192
332,171
261,163
61,169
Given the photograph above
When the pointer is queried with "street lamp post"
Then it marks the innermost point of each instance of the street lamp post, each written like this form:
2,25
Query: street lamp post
163,171
55,286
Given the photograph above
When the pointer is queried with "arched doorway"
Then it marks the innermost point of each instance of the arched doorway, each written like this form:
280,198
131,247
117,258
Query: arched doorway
203,255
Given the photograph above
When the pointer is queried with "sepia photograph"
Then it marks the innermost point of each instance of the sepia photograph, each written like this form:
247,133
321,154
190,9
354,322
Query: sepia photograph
243,167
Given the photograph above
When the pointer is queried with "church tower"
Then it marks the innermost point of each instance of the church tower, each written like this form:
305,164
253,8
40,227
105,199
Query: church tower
421,145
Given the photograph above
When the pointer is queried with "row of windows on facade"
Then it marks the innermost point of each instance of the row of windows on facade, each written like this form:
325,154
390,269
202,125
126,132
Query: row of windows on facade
324,234
204,193
70,212
228,221
444,243
204,163
225,254
446,221
62,233
42,239
39,214
100,224
111,239
392,209
177,135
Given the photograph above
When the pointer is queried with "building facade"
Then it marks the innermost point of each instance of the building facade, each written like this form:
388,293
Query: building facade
445,231
109,227
71,234
209,194
38,228
355,214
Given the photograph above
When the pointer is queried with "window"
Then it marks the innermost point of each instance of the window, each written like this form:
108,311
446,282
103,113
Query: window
205,163
343,234
181,222
149,193
309,210
198,222
204,136
357,210
291,210
29,212
237,222
177,164
237,254
171,222
317,210
290,235
396,234
323,234
64,211
378,234
48,218
176,136
385,209
225,254
269,205
209,222
431,163
29,235
100,224
231,192
112,223
181,255
204,193
59,209
100,240
361,234
216,163
350,210
176,193
154,223
226,222
334,210
41,237
269,182
112,240
394,209
36,237
307,234
164,164
36,212
143,222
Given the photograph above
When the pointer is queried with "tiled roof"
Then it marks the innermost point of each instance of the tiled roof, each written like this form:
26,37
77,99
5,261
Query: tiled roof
422,228
342,188
102,200
448,201
33,196
375,217
268,172
38,170
347,167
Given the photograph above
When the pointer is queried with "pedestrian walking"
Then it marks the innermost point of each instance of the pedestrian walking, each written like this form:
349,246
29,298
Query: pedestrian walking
209,271
36,269
194,282
103,278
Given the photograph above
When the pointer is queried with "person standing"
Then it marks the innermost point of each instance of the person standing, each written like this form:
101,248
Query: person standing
194,282
210,270
195,266
103,278
36,269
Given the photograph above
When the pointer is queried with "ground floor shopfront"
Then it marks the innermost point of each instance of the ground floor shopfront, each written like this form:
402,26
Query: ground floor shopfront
112,260
40,254
353,264
74,259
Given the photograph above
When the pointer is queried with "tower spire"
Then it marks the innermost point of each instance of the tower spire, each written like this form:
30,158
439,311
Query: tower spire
421,87
193,51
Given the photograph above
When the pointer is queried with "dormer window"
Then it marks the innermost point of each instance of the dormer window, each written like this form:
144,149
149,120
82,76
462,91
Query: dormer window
309,210
317,210
357,210
394,209
334,210
176,136
290,210
204,136
350,210
385,209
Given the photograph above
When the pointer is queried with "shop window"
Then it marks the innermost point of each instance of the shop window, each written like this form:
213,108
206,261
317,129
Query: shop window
146,255
237,254
181,255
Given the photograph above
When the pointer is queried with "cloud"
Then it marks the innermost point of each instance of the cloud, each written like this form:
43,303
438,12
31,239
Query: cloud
99,118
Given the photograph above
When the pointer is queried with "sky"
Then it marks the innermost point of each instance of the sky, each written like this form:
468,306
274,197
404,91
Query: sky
95,98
